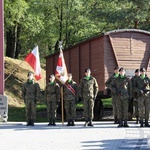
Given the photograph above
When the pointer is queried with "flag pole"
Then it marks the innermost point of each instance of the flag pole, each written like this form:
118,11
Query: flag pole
61,92
16,67
62,105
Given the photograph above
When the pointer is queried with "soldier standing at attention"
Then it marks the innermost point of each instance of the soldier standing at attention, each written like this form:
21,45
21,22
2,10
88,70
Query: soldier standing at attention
70,98
142,86
88,92
31,93
52,97
113,95
134,94
123,88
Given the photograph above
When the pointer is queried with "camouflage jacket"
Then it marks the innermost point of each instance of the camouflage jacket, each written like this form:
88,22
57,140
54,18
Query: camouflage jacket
68,95
107,83
142,85
133,81
88,88
31,91
52,92
122,87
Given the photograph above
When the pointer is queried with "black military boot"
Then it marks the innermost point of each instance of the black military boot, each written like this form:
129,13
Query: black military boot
120,123
32,122
116,120
69,123
72,123
86,123
146,123
29,122
50,122
137,120
141,123
54,124
90,123
125,123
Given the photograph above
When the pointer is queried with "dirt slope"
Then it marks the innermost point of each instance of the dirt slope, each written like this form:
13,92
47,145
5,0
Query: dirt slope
15,76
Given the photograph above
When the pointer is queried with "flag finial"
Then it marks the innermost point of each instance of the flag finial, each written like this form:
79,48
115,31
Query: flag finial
60,44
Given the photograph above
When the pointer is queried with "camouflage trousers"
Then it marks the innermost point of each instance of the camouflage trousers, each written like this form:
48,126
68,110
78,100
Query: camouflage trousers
135,107
143,107
51,110
114,105
88,109
122,105
70,108
30,109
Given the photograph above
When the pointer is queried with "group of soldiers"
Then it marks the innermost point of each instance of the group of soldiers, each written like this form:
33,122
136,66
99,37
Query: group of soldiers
126,91
87,90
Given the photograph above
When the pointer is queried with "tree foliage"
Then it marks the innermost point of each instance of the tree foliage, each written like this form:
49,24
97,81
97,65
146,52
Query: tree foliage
45,22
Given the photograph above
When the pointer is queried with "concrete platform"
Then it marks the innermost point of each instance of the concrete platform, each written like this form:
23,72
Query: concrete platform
104,135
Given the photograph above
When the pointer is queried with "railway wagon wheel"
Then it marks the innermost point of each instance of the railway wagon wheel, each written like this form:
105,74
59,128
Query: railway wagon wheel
98,109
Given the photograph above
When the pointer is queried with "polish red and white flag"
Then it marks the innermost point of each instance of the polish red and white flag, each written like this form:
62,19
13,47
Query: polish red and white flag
34,61
61,70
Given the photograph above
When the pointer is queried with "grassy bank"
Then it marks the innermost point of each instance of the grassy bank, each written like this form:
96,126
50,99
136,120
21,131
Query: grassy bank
19,114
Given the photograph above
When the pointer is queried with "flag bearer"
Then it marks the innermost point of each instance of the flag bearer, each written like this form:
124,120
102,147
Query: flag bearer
52,97
70,98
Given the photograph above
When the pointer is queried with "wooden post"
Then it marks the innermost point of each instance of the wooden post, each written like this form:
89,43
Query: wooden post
62,105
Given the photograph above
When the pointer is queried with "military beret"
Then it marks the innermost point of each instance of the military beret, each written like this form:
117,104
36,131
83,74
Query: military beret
51,76
116,68
29,74
137,70
121,69
87,70
142,70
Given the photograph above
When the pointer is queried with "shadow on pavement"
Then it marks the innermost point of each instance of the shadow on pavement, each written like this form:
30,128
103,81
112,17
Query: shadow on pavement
78,125
116,144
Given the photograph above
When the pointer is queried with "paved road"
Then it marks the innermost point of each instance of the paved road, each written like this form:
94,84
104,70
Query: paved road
104,135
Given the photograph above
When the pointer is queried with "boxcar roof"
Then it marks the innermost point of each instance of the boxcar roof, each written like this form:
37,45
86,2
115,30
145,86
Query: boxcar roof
126,30
100,35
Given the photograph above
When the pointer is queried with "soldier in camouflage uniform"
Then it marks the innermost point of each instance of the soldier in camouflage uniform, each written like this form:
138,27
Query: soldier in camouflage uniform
113,95
70,99
142,86
52,97
134,94
30,93
88,92
123,88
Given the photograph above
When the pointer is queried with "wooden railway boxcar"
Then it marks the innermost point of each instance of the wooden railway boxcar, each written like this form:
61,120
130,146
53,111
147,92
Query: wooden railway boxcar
127,48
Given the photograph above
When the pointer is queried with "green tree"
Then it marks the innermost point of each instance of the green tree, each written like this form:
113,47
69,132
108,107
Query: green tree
121,14
45,22
14,15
